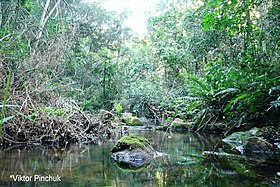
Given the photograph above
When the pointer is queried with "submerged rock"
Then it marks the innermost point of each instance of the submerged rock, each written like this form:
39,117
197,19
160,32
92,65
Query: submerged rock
133,152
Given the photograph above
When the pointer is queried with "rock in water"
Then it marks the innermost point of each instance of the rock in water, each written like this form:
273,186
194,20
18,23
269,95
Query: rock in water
133,152
131,120
135,158
256,145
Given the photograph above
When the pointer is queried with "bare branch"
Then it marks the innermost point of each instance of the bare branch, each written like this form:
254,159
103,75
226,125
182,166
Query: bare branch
45,16
5,37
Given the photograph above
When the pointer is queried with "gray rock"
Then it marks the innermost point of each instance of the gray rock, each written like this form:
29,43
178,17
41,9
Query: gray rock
133,151
179,124
256,145
136,158
246,143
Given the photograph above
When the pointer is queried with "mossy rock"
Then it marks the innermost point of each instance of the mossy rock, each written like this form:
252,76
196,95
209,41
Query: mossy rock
178,124
130,142
133,152
249,143
131,120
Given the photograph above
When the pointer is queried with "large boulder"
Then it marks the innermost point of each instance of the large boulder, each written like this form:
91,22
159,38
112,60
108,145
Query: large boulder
133,151
249,143
257,145
131,120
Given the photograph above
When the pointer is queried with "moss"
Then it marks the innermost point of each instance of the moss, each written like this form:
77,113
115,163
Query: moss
130,142
131,120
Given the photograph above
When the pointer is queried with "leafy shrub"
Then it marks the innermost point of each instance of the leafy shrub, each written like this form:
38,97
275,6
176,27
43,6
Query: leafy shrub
118,108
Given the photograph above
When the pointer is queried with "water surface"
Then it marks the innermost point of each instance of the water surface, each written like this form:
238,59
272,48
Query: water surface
185,164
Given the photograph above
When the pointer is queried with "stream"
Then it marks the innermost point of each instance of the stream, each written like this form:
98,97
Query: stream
187,161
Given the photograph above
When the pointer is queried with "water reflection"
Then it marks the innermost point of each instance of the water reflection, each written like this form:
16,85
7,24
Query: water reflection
184,165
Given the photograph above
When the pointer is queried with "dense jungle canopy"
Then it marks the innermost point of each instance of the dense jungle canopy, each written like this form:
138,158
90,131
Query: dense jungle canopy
213,63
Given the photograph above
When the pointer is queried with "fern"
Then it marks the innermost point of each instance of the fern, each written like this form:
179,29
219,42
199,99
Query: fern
225,92
199,82
235,100
275,104
200,87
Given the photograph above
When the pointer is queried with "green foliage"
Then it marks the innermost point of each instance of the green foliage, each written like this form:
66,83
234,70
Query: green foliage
231,16
233,101
238,95
220,50
216,60
53,111
3,106
118,108
95,56
200,86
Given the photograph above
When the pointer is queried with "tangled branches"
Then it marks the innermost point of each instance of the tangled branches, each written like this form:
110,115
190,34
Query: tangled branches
55,131
59,125
45,118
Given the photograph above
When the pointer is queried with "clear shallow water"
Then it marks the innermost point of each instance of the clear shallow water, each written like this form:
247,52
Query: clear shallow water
184,165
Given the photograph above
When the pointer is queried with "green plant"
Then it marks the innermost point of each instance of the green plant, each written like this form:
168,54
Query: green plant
53,111
3,106
118,108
